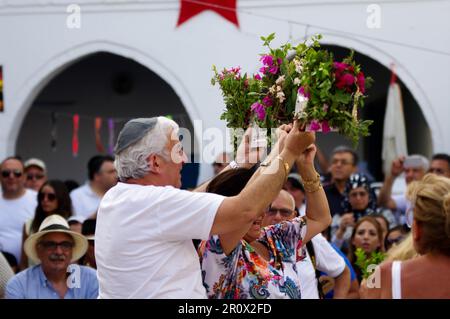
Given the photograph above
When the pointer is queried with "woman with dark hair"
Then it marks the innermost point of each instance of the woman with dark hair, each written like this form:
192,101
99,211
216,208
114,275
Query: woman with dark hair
53,198
427,275
367,235
258,262
359,201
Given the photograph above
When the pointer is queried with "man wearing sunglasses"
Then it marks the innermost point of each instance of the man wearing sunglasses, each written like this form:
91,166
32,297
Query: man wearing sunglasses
35,173
53,248
17,205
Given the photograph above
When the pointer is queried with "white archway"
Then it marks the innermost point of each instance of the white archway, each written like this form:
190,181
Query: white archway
56,64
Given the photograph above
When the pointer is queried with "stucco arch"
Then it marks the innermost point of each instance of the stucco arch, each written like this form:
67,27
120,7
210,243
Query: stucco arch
39,78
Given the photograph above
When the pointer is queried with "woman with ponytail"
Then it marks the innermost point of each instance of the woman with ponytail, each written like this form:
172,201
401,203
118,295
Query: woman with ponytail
428,275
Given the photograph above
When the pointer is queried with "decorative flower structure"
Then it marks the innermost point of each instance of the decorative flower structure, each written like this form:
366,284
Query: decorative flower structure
297,82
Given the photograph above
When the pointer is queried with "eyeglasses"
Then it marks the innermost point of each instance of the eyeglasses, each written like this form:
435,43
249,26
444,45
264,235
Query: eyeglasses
7,173
35,176
52,245
272,211
360,194
437,171
51,197
395,240
342,161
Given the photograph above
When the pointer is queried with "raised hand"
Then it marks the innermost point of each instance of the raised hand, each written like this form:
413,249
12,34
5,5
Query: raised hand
397,166
297,141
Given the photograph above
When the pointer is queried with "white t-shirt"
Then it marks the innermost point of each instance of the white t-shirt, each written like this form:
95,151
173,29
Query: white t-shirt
403,204
327,260
143,241
85,201
13,215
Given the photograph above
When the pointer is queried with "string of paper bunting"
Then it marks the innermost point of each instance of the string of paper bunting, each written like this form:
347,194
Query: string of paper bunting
97,122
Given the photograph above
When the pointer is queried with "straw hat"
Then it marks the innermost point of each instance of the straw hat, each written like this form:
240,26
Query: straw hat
55,224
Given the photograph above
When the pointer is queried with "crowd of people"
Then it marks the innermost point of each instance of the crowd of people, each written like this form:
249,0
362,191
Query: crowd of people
266,228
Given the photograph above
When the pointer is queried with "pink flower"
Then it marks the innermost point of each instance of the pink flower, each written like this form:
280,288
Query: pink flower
325,127
273,69
314,126
303,92
279,60
263,70
361,82
257,77
267,60
267,101
345,81
259,110
339,66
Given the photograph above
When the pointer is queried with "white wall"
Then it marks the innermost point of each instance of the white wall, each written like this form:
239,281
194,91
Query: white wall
36,44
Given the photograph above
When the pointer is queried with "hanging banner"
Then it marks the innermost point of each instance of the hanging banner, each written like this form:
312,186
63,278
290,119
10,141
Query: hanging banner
76,122
225,8
110,136
1,89
53,132
98,140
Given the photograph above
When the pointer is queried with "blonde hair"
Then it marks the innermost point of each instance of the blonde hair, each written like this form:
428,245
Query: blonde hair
403,251
430,198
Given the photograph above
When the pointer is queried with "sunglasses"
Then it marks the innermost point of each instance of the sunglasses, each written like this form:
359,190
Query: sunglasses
7,173
51,197
360,194
437,171
35,176
272,211
52,245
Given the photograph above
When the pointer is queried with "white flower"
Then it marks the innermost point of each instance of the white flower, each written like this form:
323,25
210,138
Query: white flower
298,65
280,96
297,81
280,80
272,89
279,88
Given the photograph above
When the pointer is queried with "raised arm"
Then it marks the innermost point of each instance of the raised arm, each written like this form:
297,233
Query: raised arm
385,195
317,209
246,157
238,213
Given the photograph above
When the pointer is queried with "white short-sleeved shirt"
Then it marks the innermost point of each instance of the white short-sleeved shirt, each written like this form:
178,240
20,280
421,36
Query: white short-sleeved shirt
13,215
85,201
327,260
143,241
403,204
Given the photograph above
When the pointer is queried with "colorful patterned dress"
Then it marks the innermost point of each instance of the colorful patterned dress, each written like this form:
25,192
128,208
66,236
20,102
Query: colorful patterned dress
243,274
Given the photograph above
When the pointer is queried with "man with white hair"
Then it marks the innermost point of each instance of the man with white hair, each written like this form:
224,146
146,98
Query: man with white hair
146,224
414,167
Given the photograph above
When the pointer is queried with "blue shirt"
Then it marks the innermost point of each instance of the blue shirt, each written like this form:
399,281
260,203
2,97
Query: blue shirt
32,284
347,262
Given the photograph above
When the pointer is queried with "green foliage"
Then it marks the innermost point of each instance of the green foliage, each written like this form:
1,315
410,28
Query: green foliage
334,90
363,261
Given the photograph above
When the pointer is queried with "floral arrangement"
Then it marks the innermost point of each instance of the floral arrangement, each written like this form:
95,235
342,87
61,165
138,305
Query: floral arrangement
302,82
363,261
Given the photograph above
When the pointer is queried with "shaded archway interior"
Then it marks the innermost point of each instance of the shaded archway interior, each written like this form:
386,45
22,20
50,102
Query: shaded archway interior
369,149
99,85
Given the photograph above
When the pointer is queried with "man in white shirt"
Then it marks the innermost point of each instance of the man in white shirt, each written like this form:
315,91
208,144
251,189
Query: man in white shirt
145,224
414,167
326,259
17,205
102,176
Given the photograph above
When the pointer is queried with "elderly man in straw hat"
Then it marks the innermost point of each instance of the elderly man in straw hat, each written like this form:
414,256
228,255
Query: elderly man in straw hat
54,247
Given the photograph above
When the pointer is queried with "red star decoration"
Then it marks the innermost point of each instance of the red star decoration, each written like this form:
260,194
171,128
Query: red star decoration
225,8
